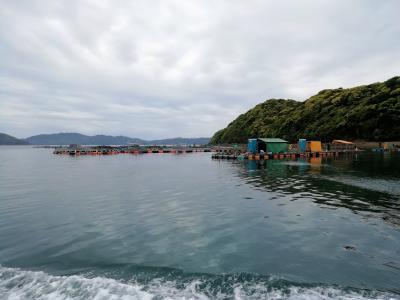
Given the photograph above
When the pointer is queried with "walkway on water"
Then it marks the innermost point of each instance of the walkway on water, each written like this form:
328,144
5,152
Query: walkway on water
111,150
267,156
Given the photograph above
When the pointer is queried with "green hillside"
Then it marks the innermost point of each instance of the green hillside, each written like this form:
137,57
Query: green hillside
368,112
6,139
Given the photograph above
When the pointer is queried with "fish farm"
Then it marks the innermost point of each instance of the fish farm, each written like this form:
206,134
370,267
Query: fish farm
275,148
256,149
111,150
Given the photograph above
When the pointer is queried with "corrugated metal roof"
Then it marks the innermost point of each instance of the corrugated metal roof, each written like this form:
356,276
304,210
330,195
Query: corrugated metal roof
272,140
342,142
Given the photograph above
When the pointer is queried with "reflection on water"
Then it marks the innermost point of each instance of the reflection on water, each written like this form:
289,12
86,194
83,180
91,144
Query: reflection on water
361,185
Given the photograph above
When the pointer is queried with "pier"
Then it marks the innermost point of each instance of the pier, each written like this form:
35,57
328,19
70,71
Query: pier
276,148
268,156
112,150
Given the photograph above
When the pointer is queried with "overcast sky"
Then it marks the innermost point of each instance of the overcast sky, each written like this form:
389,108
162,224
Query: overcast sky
157,69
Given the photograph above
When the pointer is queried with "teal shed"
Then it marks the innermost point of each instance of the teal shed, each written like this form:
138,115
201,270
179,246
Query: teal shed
272,145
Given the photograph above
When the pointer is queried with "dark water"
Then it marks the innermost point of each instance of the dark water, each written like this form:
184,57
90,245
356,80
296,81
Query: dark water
160,226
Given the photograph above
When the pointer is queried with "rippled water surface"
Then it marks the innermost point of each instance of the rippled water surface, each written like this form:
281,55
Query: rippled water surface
186,226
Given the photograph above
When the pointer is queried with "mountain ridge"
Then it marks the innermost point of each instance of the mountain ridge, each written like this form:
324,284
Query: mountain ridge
66,138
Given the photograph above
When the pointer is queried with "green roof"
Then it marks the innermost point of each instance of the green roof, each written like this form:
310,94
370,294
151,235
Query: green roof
272,140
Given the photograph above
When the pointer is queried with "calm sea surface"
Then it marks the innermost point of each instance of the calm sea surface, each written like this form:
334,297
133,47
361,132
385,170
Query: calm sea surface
158,226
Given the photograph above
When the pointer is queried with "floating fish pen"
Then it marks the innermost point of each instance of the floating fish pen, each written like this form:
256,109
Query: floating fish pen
387,147
385,150
267,156
275,148
224,156
111,150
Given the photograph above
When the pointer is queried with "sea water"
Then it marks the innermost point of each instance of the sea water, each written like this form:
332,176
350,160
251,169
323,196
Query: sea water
184,226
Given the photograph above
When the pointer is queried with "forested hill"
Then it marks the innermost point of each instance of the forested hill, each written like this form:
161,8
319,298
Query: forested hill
368,112
6,139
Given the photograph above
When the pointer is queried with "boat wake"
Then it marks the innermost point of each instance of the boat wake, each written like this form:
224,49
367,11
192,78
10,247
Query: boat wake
388,186
21,284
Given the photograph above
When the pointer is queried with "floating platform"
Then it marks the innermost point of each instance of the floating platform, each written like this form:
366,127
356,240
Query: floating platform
267,156
110,150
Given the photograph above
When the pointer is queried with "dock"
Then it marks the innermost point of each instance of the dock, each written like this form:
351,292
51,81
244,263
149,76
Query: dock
268,156
276,148
112,150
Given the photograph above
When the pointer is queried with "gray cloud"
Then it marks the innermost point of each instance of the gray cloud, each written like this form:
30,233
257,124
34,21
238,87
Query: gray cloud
156,69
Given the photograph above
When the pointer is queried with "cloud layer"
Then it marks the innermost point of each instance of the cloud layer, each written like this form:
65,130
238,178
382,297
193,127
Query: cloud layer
157,69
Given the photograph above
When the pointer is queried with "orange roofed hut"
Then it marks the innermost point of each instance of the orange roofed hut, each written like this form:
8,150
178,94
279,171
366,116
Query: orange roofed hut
342,145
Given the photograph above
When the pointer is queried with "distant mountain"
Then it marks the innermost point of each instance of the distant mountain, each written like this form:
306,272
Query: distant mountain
81,139
369,112
180,141
6,139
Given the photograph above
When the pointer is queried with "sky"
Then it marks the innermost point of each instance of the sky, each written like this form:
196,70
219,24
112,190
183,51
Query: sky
158,69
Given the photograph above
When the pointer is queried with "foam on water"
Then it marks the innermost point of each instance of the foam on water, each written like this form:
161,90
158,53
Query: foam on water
19,284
